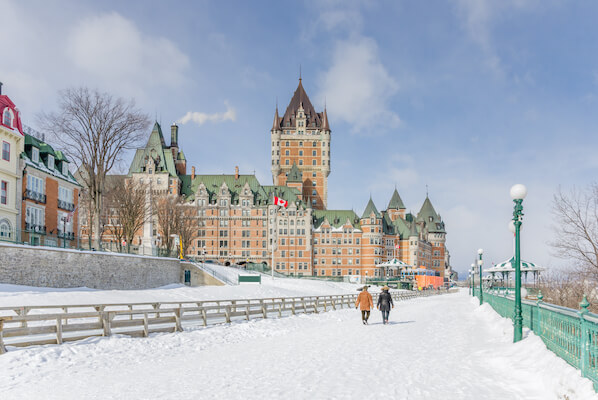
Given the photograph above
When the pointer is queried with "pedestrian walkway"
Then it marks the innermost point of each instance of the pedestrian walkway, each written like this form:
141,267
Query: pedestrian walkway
442,347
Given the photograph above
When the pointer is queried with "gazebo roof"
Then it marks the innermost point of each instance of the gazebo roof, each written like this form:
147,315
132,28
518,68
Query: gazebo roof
395,263
507,266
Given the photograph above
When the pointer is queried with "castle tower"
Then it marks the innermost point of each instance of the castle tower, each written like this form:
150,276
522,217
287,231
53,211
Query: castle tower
302,137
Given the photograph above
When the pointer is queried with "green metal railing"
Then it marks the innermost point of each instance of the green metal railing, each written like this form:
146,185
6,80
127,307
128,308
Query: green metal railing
570,334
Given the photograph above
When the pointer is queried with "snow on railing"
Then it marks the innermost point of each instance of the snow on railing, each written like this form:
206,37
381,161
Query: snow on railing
55,324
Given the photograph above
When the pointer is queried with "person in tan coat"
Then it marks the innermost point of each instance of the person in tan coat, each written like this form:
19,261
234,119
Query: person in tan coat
365,303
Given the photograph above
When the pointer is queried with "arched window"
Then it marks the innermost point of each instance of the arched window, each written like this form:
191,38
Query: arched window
5,229
7,117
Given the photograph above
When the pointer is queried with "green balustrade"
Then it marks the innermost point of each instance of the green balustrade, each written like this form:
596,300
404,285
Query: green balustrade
570,334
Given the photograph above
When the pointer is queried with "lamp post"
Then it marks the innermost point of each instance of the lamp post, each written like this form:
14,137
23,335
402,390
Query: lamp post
480,263
518,193
470,283
472,274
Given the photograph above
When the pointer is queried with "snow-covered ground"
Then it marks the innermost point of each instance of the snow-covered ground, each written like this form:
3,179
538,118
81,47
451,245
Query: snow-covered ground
438,347
13,295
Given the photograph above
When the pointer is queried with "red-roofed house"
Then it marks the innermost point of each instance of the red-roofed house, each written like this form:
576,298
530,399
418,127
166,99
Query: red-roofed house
12,142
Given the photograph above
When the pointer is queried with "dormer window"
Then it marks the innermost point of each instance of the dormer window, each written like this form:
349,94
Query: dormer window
7,117
65,168
50,161
35,154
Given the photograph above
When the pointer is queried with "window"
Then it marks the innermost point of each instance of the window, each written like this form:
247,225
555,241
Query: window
7,120
286,144
5,230
4,192
313,184
323,153
286,152
300,162
313,192
6,151
35,154
313,174
300,152
65,168
51,161
35,184
287,162
35,216
314,144
301,144
313,202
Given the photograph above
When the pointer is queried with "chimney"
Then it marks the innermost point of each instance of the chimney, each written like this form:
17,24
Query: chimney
192,173
174,135
236,172
0,87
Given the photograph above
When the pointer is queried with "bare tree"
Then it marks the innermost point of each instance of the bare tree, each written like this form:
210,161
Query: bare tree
576,229
128,207
94,129
175,218
166,210
187,224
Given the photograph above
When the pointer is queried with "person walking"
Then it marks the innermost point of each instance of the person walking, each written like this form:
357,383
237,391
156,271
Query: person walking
384,304
365,302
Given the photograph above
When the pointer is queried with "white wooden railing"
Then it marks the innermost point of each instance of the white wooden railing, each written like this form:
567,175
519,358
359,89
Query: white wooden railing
55,324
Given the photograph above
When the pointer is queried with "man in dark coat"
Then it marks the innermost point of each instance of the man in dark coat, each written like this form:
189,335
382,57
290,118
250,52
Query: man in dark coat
384,304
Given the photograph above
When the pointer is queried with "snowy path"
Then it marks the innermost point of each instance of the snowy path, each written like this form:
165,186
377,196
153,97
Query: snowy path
439,347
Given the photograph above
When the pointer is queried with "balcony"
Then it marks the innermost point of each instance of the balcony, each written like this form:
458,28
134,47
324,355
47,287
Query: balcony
36,196
35,228
66,206
66,235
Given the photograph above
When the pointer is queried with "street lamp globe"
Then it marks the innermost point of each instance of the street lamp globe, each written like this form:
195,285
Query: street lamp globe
518,192
512,226
480,251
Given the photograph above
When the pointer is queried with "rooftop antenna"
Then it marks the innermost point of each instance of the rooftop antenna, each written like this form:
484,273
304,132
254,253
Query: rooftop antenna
299,72
426,190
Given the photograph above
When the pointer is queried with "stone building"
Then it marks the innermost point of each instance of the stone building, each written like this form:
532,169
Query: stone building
237,220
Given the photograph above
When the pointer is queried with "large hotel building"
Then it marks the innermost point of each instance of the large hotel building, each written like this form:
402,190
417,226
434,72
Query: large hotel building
237,220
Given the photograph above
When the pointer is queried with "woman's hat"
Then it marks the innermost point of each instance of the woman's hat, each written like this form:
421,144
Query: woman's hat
385,287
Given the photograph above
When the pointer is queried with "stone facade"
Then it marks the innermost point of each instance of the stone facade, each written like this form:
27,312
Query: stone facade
46,267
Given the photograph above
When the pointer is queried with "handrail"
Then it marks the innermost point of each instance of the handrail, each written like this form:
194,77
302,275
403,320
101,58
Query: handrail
24,328
571,334
221,277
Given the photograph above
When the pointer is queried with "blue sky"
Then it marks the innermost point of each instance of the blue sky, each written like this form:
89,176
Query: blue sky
467,97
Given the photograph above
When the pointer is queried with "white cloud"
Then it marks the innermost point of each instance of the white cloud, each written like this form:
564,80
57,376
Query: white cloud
479,17
357,86
107,51
112,49
201,118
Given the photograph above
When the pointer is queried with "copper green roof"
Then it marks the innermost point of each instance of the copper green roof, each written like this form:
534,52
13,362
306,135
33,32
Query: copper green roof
157,150
428,215
181,156
401,228
369,209
336,218
294,174
396,203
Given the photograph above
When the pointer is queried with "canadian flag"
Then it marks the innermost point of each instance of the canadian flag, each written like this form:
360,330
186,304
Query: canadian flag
280,202
397,246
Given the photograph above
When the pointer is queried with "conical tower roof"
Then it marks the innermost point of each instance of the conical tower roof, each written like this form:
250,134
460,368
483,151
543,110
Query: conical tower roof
294,174
396,203
371,207
325,124
427,211
300,99
276,123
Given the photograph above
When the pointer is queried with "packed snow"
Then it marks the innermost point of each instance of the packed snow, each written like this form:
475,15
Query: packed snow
436,347
14,295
